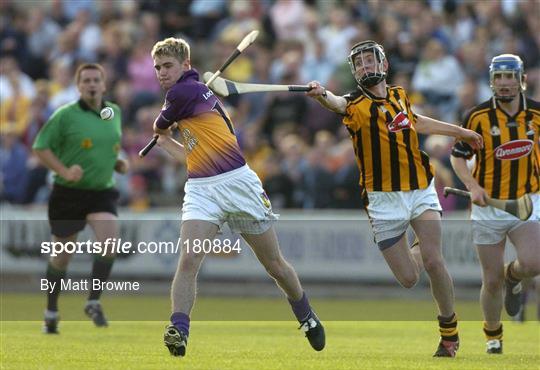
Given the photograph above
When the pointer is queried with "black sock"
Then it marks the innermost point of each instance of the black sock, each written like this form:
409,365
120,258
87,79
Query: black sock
54,275
100,270
448,327
494,334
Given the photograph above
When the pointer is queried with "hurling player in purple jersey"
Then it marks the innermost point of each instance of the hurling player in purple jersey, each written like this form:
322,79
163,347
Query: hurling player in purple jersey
220,188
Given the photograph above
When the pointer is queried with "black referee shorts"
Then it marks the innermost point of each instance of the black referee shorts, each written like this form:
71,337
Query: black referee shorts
69,207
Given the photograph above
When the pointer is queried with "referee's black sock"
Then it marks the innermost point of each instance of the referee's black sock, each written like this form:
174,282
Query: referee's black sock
53,275
100,270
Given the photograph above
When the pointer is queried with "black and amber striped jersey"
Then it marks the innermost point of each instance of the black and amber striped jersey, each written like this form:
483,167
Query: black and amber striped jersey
385,141
508,165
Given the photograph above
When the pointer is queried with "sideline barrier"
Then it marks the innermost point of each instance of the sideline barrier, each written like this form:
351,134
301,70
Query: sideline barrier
323,246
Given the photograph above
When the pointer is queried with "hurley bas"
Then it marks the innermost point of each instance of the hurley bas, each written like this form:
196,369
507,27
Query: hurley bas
85,285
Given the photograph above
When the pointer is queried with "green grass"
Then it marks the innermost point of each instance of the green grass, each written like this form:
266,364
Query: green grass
250,344
25,307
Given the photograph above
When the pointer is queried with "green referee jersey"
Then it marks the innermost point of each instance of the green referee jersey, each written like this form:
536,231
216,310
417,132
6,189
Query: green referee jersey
76,134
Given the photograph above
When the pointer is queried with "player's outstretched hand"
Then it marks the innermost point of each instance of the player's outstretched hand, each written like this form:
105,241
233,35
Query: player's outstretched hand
316,89
472,138
121,166
73,173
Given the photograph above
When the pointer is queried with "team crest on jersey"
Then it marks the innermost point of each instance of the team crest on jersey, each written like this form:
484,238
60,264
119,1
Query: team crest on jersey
495,131
266,200
86,143
399,122
514,149
190,141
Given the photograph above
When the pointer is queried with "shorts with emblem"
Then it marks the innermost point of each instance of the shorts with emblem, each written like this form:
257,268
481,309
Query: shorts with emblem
391,212
236,197
490,225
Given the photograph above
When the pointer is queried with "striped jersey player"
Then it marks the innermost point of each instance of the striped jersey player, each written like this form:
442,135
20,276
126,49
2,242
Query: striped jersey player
506,168
396,178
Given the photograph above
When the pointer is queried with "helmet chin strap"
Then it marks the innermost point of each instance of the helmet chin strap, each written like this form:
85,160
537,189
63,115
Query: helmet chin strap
370,80
505,99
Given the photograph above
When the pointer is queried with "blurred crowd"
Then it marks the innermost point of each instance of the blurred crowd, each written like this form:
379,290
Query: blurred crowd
438,50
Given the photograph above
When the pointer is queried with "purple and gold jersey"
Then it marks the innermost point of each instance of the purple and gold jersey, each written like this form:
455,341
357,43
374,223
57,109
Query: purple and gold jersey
205,127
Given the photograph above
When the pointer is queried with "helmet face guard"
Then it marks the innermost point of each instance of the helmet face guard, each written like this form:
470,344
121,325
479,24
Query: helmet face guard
366,54
506,64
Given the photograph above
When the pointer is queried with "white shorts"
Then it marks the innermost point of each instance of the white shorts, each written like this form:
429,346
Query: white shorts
235,197
391,212
490,225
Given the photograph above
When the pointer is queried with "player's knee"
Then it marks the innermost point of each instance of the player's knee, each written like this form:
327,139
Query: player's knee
433,264
60,261
530,268
190,262
493,284
409,280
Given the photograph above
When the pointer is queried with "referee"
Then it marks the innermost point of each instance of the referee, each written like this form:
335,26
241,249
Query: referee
82,149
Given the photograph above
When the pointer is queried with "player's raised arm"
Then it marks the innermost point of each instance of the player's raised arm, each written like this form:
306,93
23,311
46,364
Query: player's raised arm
430,126
326,98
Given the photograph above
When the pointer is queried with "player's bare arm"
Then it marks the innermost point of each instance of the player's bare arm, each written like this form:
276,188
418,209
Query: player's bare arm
326,98
74,173
171,146
429,126
478,194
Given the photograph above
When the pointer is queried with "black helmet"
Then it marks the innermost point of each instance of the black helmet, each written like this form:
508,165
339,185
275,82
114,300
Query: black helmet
372,78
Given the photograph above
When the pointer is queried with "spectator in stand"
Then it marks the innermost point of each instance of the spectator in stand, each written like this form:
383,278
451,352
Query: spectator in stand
41,33
62,86
438,77
13,156
338,35
63,34
10,73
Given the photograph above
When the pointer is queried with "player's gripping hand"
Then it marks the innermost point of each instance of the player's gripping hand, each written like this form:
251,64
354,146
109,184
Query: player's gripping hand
165,136
478,195
73,173
316,89
474,139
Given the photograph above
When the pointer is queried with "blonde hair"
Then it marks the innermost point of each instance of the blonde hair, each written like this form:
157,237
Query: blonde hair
171,47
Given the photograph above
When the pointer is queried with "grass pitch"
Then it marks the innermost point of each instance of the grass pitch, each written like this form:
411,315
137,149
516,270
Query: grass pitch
251,344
